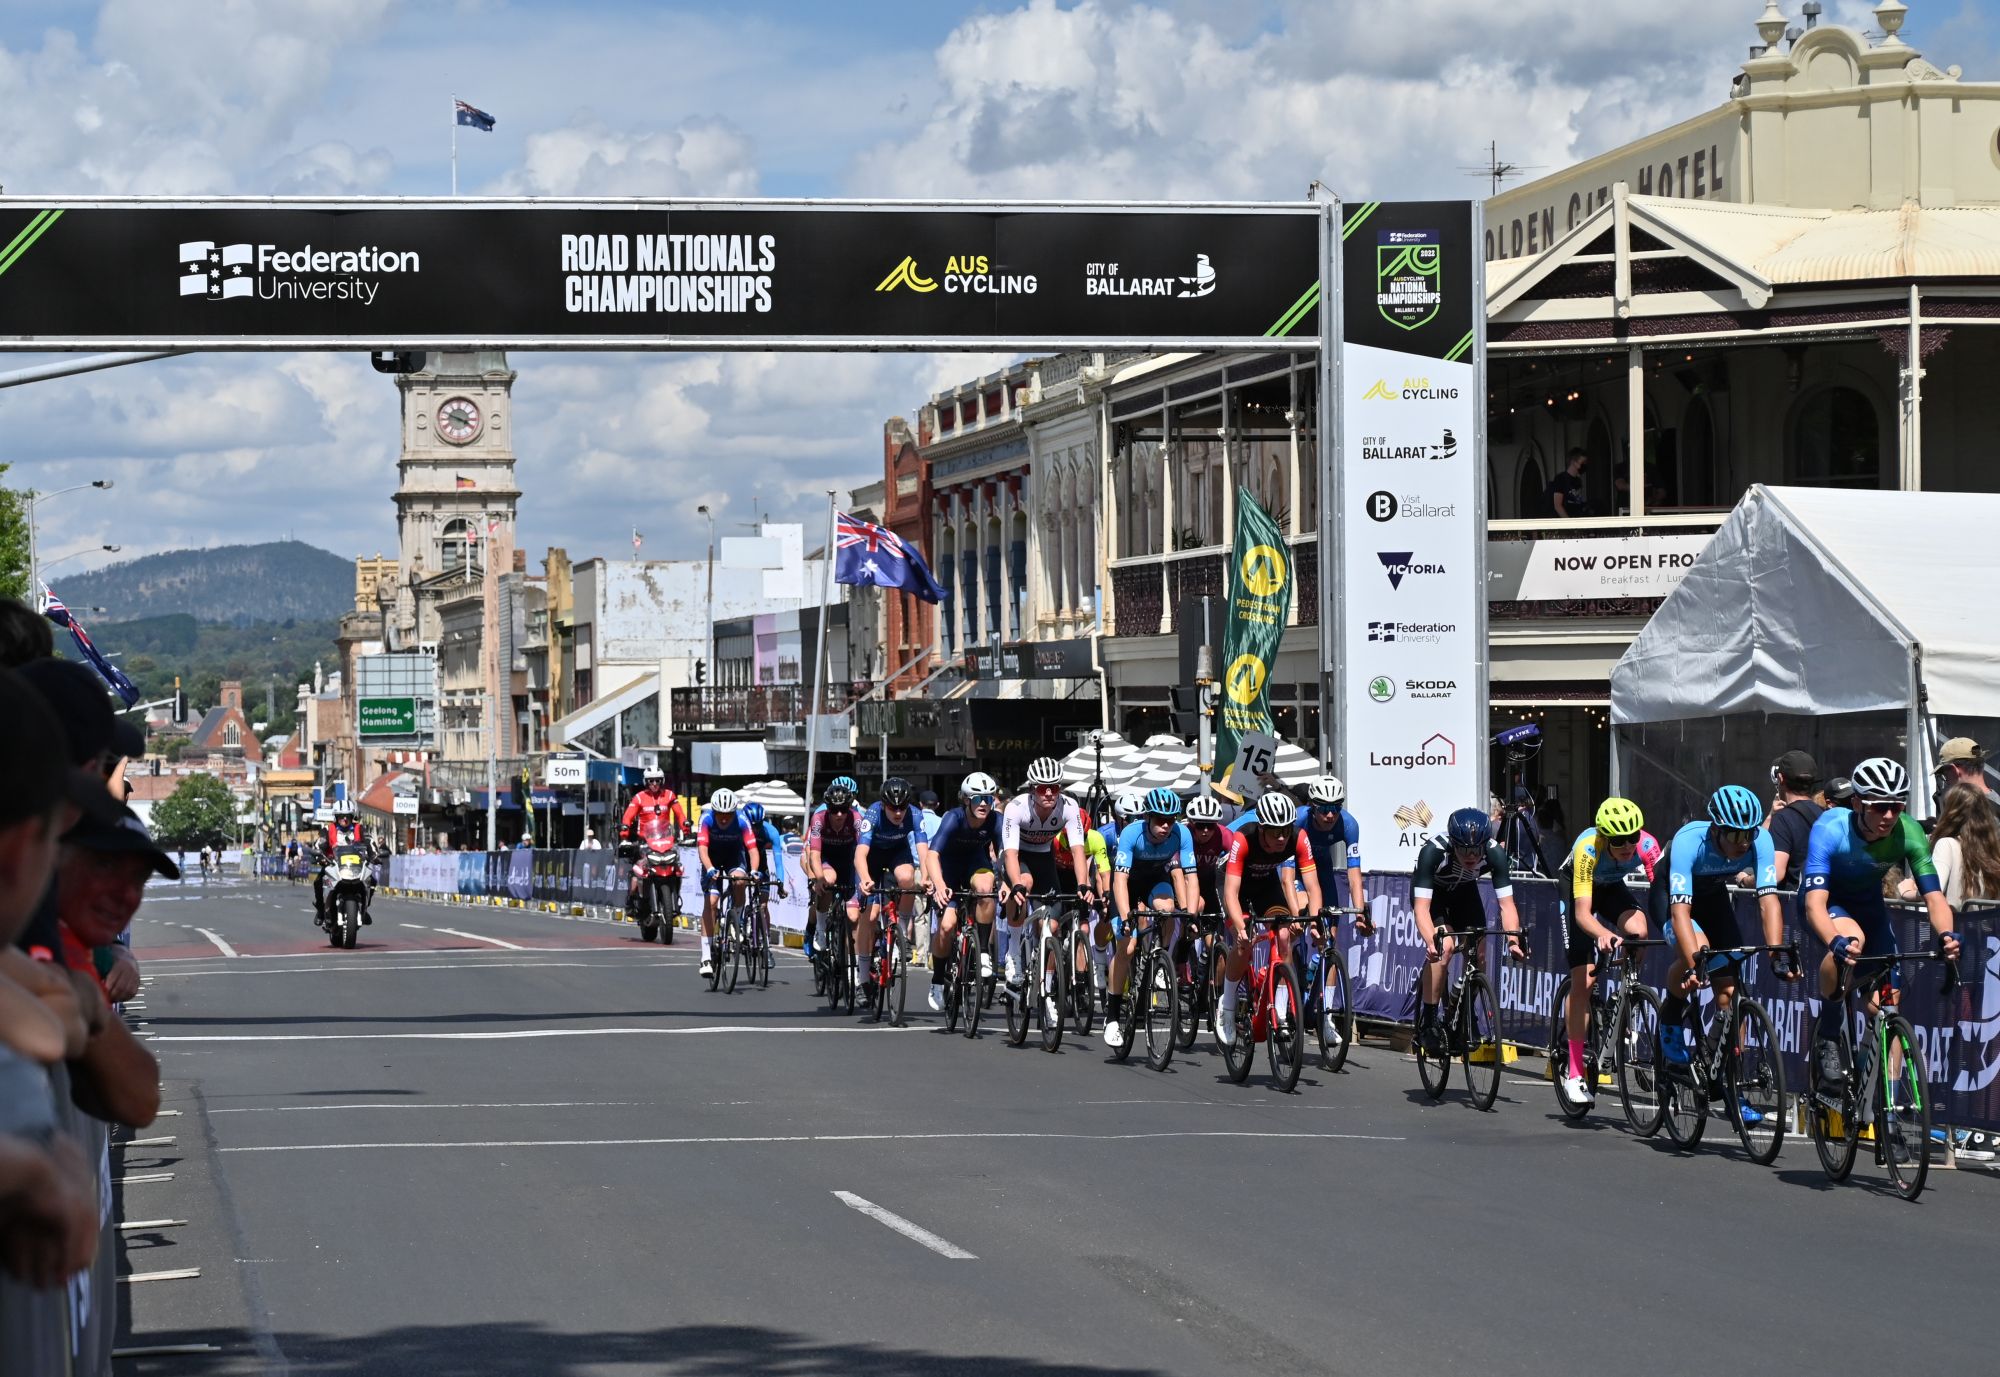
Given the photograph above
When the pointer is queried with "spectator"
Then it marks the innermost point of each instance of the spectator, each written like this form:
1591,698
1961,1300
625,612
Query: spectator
1965,846
1961,761
1840,792
590,841
24,635
1795,776
1565,490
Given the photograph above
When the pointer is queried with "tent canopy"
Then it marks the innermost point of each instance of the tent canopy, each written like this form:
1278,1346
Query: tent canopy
776,796
1812,601
1164,762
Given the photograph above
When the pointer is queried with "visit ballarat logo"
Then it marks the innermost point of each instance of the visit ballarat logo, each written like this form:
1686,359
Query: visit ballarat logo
271,273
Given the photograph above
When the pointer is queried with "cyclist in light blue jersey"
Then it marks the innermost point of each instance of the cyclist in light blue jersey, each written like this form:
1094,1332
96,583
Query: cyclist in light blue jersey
1152,868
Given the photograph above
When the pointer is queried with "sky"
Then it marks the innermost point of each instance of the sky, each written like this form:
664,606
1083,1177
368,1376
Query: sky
1212,99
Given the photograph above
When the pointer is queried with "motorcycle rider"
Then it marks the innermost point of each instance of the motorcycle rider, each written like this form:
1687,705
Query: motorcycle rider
344,830
657,816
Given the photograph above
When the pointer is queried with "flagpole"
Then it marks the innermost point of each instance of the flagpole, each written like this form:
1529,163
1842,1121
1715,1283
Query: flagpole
454,145
819,667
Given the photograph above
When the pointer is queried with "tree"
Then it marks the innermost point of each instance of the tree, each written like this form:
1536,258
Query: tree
13,542
201,810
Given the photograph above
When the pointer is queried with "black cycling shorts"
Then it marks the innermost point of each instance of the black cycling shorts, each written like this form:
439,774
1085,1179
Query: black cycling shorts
1258,895
1714,911
1040,868
1459,907
1608,903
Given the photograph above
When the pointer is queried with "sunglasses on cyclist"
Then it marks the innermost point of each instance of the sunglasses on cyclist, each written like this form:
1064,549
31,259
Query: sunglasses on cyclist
1742,835
1884,807
1631,839
979,800
1204,826
1326,809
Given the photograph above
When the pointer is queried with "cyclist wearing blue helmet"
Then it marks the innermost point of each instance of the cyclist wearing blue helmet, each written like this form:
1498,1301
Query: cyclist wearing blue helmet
1690,901
1154,863
770,845
1444,891
837,828
892,852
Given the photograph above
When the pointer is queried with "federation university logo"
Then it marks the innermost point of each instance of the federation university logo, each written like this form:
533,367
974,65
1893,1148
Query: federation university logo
1409,286
217,271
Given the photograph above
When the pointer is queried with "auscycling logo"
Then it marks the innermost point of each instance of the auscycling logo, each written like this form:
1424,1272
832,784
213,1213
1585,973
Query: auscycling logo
221,272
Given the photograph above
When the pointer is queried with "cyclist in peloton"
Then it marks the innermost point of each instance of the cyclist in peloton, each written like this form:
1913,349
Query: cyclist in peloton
1690,900
1154,865
1335,838
1847,854
1445,884
891,849
1212,841
770,845
965,854
1255,882
1601,910
727,852
1029,826
834,833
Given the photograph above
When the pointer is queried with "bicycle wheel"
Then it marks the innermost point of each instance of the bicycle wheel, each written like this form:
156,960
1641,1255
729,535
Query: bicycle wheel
1833,1118
1159,1009
1336,1013
1188,1010
1053,994
726,931
715,955
896,998
1240,1052
1434,1064
1682,1091
1903,1111
1558,1051
1082,987
1638,1057
1017,1012
1756,1084
1484,1051
764,958
946,972
1285,1039
967,971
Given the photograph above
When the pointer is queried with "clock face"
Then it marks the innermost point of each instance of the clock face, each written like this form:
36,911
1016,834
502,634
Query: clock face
458,420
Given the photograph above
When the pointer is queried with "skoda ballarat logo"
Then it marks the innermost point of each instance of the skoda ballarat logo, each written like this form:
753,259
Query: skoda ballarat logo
967,274
1408,267
1399,565
1109,279
1381,688
221,272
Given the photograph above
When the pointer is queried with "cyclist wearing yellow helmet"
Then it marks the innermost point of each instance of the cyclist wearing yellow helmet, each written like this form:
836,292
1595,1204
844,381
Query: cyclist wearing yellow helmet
1600,909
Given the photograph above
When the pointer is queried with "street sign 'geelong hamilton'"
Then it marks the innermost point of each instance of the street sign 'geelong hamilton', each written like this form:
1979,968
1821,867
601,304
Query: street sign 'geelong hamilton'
146,273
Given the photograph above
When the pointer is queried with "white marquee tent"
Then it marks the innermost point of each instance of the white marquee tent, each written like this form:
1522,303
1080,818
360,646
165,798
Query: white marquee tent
1873,609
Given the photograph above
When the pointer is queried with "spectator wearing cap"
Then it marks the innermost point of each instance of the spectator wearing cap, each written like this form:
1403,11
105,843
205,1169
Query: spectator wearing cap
590,841
24,634
1795,777
1961,761
100,881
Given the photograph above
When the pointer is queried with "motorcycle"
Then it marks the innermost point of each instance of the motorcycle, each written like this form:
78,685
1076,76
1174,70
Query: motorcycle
346,895
658,901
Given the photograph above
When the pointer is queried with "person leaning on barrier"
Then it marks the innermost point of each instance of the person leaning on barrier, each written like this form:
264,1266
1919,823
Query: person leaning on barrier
1794,777
1965,848
1961,761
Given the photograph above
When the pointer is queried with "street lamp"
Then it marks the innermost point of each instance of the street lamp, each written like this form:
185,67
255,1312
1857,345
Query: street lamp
713,668
35,499
77,554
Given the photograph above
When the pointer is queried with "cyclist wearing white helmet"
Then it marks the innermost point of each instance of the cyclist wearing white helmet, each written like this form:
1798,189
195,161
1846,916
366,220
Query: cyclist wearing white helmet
1029,826
1335,838
964,856
1270,871
655,819
1847,854
728,851
1153,872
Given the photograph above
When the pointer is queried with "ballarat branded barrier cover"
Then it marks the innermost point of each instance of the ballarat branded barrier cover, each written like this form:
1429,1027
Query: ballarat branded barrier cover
146,273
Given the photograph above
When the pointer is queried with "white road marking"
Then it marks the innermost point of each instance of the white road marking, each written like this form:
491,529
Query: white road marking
144,1142
152,961
148,1176
544,1104
420,927
753,1140
510,946
513,1033
916,1233
216,938
365,967
132,1225
177,1274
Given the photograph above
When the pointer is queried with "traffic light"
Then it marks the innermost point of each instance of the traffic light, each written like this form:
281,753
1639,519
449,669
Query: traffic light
701,672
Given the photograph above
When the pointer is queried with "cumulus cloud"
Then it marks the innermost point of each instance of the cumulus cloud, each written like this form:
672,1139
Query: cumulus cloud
700,157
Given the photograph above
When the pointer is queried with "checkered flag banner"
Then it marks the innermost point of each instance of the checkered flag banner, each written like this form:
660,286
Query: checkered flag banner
216,271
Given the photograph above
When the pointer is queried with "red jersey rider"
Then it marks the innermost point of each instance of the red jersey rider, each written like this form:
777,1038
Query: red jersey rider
656,815
343,830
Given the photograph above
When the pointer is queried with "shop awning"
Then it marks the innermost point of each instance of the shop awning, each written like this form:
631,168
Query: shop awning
596,713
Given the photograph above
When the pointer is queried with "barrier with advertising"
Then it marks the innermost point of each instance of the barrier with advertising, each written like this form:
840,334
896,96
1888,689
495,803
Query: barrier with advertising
1409,683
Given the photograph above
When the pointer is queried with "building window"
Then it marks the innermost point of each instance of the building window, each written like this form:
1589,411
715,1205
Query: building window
455,545
995,400
947,417
1836,440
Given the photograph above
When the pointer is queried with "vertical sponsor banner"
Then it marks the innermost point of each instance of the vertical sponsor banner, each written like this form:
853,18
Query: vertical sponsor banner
1260,598
1411,686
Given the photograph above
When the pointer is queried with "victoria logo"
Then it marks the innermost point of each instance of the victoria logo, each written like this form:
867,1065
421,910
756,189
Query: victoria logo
1399,565
222,272
1438,750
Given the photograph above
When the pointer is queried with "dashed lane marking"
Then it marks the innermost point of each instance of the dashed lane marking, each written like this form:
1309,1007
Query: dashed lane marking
542,1104
511,1034
364,967
753,1140
473,936
916,1233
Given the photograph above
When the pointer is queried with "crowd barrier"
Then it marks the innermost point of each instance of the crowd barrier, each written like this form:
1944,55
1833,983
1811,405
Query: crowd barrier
1961,1035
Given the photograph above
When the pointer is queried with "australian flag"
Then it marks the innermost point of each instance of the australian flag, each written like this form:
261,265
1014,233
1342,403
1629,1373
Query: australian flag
865,553
112,675
473,115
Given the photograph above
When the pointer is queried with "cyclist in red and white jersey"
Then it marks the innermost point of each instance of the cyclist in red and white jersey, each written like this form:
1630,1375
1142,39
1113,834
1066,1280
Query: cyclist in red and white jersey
1028,829
654,818
1255,882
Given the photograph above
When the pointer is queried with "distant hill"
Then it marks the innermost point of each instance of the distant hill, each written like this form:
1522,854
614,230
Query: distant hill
270,659
235,584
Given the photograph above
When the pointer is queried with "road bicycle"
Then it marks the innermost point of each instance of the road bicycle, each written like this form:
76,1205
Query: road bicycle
752,941
963,992
834,953
889,964
1270,1011
724,950
1620,1040
1468,1025
1044,996
1329,1007
1197,964
1736,1061
1082,977
1886,1084
1153,993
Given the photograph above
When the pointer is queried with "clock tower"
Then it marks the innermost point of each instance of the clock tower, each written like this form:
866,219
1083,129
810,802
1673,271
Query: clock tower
455,479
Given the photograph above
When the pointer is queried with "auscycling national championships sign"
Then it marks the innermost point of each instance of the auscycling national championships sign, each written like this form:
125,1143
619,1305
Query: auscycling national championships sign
145,273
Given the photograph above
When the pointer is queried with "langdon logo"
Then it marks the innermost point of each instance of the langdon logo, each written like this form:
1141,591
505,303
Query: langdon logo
1399,565
1410,633
221,272
1438,750
1387,506
964,274
1382,447
1105,279
1412,390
